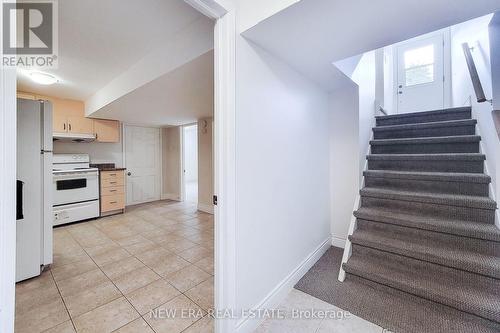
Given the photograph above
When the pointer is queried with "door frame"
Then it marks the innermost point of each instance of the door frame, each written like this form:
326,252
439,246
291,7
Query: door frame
8,156
224,160
159,166
446,33
223,12
182,176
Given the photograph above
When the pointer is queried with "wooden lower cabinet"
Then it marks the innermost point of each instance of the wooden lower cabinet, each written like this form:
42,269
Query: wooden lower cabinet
112,191
112,202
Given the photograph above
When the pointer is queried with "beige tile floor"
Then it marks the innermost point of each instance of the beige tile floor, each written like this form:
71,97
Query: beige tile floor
112,274
339,321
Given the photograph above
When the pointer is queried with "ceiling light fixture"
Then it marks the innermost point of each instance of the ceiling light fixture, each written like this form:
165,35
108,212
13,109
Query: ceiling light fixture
43,78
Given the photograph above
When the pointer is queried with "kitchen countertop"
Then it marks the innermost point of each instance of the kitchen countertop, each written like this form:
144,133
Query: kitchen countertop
112,169
106,167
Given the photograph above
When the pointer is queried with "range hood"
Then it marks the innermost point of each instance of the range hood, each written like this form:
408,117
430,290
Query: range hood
73,137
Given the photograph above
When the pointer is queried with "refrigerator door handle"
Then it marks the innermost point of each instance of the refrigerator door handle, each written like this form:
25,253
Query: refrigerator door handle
19,205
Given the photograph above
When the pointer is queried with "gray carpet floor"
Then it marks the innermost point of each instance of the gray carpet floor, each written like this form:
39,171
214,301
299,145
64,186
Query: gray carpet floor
386,307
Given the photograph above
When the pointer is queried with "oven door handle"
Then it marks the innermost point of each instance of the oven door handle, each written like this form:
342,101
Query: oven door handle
74,175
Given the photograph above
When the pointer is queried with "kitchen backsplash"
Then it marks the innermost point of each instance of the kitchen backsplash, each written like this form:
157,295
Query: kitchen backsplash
99,152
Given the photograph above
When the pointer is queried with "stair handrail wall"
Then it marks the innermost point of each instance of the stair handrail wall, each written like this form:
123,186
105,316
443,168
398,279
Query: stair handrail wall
353,222
476,81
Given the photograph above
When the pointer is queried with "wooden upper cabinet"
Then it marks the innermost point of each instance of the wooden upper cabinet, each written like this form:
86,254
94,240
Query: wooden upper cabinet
69,116
24,95
107,130
80,125
59,121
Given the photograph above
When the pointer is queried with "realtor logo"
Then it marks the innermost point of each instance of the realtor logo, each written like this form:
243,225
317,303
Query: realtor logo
30,34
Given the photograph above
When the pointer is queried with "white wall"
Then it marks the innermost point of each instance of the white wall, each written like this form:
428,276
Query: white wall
171,163
353,117
344,162
379,79
364,77
282,174
494,31
475,32
190,143
205,165
389,105
251,12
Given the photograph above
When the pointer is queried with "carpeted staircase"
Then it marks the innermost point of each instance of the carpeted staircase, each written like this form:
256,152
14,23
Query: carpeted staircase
425,227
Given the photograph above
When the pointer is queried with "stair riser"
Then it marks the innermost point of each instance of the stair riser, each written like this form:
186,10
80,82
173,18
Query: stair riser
427,165
431,186
474,268
449,227
418,266
426,132
430,209
424,118
432,239
426,148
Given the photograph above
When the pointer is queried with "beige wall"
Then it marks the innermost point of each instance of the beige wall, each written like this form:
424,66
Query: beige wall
171,163
205,165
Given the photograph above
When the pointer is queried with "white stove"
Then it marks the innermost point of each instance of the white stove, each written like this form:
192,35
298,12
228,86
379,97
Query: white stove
75,188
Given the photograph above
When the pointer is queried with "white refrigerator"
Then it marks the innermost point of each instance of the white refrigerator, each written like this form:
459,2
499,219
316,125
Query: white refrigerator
34,188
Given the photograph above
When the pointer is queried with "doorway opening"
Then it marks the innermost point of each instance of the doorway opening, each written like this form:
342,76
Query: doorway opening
190,163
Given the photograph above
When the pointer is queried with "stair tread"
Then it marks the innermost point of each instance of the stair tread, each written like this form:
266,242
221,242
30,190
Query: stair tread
428,140
452,226
420,175
469,292
425,225
443,253
446,123
418,310
416,157
425,113
435,198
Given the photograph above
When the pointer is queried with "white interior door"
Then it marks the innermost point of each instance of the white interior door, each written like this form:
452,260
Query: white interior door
142,160
421,74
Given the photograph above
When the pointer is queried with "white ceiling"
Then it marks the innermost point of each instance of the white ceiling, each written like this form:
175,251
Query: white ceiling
99,40
312,34
179,97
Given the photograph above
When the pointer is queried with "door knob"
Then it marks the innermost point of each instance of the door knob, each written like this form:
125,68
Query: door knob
129,173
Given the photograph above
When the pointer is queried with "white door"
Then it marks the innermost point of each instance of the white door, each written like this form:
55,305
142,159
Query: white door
142,160
420,74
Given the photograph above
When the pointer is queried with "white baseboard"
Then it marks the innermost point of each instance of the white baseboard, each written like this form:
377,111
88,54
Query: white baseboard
206,208
338,242
279,293
171,196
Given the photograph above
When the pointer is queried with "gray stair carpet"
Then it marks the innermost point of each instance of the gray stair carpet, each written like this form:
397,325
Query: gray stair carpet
426,250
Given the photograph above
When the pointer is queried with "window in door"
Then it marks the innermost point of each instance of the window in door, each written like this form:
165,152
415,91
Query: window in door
419,65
